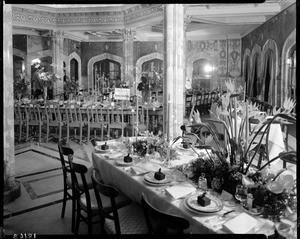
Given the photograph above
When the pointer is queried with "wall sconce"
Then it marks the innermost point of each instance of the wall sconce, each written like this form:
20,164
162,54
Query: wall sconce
288,61
155,47
106,47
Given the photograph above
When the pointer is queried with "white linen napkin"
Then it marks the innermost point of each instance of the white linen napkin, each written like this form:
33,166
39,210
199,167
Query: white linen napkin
241,224
181,190
143,168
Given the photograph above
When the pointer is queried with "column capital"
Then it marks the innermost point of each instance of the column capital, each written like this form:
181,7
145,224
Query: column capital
128,33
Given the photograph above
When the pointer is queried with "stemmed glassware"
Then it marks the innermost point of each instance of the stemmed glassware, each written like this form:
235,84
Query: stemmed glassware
241,194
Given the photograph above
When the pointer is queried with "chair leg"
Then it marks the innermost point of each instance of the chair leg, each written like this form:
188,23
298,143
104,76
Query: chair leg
90,225
64,202
73,210
77,217
80,135
68,135
20,132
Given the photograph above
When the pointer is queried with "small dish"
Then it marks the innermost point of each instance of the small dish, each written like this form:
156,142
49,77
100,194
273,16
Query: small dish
253,211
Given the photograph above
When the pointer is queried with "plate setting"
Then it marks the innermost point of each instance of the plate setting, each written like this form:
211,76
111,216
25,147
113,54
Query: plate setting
149,178
214,206
103,151
120,162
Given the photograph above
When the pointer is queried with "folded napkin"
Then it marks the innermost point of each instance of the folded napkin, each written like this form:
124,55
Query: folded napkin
143,168
181,190
241,224
114,155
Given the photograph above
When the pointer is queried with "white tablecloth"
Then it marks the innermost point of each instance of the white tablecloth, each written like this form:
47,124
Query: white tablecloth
134,185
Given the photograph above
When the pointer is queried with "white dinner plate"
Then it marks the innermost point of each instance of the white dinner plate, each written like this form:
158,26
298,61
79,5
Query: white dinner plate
120,162
214,206
99,150
155,184
149,177
195,211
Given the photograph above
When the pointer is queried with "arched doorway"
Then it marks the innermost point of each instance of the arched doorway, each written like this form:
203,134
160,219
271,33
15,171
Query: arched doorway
202,74
255,77
74,69
107,75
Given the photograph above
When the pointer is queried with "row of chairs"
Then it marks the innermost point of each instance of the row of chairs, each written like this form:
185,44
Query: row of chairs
117,214
30,119
202,102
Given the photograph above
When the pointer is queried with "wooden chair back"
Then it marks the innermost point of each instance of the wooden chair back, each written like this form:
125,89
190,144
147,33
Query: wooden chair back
159,222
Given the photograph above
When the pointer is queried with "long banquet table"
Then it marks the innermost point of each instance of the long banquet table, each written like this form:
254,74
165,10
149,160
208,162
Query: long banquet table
123,177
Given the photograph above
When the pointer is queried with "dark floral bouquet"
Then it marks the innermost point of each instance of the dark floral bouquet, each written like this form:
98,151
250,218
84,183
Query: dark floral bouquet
20,87
71,87
274,193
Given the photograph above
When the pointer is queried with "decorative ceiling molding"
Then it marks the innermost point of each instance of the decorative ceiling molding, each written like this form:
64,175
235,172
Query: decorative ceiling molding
144,14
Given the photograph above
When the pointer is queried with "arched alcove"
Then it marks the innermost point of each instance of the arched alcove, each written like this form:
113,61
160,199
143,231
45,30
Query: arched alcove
75,56
246,69
94,59
269,64
139,63
288,44
200,55
255,69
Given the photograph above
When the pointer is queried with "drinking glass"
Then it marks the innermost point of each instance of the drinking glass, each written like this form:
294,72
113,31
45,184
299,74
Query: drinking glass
241,194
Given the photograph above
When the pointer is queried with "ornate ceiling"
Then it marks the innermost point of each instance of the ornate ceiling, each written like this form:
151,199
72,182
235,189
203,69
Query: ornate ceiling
106,22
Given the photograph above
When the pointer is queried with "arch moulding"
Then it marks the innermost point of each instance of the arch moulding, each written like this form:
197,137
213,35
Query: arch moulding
247,53
288,44
68,64
100,58
256,50
199,55
139,63
270,45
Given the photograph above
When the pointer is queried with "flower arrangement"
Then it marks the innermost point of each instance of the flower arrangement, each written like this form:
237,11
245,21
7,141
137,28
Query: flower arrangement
45,79
71,87
232,160
20,87
152,144
275,193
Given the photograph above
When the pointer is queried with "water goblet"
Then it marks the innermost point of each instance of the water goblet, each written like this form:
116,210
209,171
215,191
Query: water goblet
241,194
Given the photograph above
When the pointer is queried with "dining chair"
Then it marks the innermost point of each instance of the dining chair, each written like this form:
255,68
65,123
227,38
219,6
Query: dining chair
53,120
118,216
159,222
19,120
97,121
117,124
67,181
86,203
33,121
74,121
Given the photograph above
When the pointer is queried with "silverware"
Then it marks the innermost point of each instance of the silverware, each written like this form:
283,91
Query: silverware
225,213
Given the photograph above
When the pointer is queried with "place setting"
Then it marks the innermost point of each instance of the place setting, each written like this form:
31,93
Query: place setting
158,178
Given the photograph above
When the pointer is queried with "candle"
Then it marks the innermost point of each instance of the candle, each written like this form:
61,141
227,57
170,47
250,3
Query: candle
235,121
147,115
122,123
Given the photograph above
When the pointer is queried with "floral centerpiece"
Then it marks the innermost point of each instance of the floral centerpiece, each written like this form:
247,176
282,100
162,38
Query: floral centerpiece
232,160
152,144
274,192
20,87
71,87
43,80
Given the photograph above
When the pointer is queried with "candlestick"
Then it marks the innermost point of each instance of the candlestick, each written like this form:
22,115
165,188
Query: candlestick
247,125
235,121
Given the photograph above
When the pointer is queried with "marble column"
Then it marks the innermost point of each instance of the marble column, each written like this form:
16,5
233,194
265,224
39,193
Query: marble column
174,68
57,48
11,186
128,35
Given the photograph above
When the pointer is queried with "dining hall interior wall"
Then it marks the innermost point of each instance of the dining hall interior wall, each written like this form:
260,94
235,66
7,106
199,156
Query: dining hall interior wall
277,30
224,55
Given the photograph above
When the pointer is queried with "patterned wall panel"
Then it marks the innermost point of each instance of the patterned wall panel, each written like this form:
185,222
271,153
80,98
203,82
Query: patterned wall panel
89,50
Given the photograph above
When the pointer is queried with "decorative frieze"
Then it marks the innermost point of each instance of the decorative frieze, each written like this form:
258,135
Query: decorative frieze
143,14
